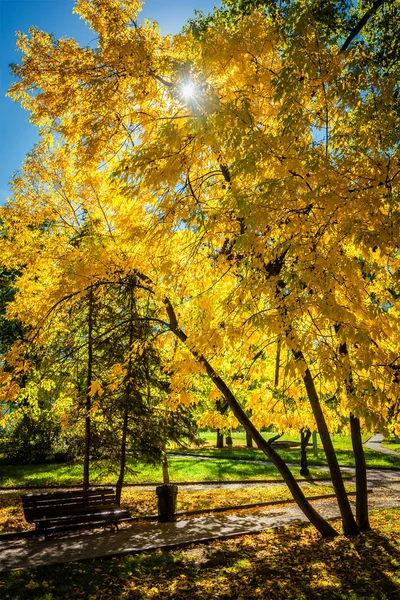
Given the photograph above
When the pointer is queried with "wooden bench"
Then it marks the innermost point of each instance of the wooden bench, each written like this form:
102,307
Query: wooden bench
59,511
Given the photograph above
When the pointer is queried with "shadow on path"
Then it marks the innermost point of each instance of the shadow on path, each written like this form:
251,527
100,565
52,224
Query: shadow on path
24,553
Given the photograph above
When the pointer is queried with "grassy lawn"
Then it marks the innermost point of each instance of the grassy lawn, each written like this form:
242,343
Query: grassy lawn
342,445
181,469
392,445
186,469
288,563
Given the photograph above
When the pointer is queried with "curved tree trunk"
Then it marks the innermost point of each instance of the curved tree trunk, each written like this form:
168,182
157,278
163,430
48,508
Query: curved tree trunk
313,516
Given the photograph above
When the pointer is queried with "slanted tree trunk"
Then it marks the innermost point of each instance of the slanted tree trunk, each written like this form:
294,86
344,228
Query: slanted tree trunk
349,523
350,526
314,517
88,404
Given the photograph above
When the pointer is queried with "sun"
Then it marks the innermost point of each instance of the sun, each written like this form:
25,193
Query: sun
188,90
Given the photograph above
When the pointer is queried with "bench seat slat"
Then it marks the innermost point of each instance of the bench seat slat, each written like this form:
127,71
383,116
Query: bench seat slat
54,496
100,513
70,510
97,516
67,503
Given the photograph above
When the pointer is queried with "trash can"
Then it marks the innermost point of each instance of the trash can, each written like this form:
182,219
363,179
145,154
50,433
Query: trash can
166,503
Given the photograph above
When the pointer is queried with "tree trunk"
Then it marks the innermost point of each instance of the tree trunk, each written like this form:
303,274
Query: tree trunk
127,397
314,517
228,439
222,408
362,515
349,523
220,439
361,475
86,458
315,444
122,457
277,362
249,440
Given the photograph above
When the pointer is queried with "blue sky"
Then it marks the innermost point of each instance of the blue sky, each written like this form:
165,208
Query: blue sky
17,135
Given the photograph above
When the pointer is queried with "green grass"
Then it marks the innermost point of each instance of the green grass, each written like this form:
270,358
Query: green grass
181,469
288,563
342,445
392,445
209,437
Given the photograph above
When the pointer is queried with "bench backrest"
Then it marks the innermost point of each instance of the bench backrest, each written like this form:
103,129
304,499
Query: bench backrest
55,504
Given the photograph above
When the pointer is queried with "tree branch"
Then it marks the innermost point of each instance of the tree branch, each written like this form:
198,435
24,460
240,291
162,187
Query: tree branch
356,30
274,438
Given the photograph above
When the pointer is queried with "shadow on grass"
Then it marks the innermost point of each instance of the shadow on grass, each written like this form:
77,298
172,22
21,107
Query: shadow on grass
41,475
181,469
345,456
192,469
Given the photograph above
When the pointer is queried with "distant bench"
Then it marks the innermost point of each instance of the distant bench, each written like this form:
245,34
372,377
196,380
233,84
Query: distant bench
60,511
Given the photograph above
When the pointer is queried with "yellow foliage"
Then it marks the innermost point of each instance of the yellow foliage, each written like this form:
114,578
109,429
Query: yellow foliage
263,206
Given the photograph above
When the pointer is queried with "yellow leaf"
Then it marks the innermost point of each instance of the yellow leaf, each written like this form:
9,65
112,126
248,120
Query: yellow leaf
95,388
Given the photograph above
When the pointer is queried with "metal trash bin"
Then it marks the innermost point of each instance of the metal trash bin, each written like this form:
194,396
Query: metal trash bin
166,503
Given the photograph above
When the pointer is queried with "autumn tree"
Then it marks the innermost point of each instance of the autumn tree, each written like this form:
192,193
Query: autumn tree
248,169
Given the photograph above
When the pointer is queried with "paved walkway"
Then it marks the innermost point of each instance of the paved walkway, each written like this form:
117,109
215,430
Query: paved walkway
374,443
28,552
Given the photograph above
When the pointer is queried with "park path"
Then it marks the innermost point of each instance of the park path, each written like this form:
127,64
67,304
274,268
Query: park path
375,443
30,552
